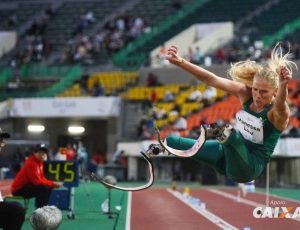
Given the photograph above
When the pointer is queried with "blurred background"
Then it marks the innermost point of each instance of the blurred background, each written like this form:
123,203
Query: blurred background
88,78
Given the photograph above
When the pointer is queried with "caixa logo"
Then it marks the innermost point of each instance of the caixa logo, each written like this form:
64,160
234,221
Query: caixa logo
276,212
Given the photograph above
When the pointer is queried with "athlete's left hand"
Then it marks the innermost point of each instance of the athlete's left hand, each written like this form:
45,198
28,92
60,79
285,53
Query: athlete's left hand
284,75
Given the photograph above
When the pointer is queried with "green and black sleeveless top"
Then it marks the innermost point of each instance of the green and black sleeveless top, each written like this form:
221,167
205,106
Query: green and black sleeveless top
259,134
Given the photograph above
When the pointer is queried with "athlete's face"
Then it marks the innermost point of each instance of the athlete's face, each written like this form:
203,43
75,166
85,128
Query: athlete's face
262,92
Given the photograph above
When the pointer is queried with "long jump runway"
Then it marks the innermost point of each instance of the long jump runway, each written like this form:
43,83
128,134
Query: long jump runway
164,209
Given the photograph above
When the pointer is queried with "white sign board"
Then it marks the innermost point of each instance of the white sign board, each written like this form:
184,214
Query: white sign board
288,147
66,107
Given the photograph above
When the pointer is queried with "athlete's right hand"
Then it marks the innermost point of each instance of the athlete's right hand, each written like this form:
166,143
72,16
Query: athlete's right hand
173,56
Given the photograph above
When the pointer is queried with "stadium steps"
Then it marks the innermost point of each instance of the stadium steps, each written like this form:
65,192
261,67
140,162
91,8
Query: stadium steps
66,19
273,19
151,11
24,12
214,10
104,11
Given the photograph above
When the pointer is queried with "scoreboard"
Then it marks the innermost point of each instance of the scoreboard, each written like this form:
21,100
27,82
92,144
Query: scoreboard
63,171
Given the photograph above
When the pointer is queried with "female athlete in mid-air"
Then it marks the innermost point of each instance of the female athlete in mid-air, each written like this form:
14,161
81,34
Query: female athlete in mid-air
262,89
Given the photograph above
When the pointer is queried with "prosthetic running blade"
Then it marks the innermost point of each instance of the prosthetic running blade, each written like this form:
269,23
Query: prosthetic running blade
155,149
147,185
184,153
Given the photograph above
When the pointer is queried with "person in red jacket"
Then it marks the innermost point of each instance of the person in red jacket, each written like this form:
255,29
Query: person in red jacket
30,181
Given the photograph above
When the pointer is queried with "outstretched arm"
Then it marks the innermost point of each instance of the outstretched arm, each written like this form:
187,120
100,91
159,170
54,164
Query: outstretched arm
204,75
279,115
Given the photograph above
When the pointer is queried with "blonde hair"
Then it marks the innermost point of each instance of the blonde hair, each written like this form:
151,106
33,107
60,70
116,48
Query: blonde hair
245,71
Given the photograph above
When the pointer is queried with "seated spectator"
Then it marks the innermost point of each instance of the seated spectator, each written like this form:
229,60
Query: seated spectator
220,56
141,125
191,55
152,80
82,23
146,104
81,54
153,97
82,155
116,41
145,128
158,113
119,158
197,56
89,16
97,90
30,181
175,110
163,52
181,124
97,159
145,133
195,95
168,96
209,95
61,155
137,28
70,152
